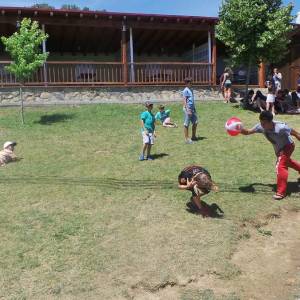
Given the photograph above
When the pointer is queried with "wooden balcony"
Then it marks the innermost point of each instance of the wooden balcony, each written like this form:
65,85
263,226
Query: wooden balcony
78,73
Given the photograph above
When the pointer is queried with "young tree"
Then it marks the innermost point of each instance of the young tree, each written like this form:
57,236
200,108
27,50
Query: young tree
254,31
70,6
42,5
24,47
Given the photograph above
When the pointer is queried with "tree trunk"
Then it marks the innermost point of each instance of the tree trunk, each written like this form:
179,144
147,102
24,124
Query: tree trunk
22,104
246,101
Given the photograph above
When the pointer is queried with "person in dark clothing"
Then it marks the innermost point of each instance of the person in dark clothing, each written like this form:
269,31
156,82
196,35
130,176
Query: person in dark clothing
197,180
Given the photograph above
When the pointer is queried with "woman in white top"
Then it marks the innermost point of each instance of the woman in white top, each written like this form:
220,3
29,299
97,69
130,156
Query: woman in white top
270,102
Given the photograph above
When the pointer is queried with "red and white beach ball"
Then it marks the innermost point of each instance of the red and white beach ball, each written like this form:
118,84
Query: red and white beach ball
231,126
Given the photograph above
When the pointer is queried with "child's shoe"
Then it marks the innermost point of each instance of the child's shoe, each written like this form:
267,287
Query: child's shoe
278,197
141,157
150,158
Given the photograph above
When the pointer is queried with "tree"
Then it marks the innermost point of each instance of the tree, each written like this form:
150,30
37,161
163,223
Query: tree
70,6
24,47
254,31
42,5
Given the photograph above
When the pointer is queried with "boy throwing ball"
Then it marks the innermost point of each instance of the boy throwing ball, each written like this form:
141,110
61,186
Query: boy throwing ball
280,135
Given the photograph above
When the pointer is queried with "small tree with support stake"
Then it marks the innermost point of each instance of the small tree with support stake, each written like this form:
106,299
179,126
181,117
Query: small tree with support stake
254,31
24,47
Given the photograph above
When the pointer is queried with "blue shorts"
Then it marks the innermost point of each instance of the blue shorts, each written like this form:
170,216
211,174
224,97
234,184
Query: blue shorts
190,118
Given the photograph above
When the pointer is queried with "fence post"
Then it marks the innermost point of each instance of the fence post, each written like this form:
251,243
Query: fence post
124,55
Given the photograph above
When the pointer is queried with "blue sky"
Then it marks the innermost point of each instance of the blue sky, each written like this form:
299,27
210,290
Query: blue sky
180,7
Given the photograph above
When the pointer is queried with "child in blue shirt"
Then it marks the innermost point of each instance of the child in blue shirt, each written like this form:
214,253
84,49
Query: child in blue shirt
164,116
148,131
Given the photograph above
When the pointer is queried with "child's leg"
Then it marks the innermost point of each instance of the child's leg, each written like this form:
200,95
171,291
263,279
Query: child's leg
268,106
194,130
273,109
186,132
283,162
197,201
229,94
148,149
144,148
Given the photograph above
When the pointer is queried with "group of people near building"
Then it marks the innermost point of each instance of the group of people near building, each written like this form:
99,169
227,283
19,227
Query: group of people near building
276,99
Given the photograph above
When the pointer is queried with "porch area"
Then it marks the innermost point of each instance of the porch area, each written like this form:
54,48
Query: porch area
107,49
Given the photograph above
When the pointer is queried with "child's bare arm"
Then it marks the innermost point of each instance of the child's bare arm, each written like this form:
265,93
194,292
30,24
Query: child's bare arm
296,134
244,131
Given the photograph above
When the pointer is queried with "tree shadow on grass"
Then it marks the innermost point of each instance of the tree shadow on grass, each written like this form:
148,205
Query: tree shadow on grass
208,210
292,188
54,118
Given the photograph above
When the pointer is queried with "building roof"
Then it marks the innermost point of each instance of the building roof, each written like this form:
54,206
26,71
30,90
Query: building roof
25,11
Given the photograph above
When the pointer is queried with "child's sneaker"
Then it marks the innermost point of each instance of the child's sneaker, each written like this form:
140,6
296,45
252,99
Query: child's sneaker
141,158
278,197
150,158
188,141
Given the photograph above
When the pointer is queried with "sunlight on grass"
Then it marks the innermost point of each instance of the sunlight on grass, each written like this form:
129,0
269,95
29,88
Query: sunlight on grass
80,212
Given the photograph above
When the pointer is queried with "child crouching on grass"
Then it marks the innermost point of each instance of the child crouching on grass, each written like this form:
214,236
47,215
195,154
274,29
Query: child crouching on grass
148,131
164,116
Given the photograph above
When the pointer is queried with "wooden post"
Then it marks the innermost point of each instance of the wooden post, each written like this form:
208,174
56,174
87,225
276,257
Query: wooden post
262,75
124,55
209,55
132,79
44,66
214,59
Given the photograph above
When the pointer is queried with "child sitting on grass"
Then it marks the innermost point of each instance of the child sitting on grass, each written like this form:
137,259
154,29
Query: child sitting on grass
164,116
7,154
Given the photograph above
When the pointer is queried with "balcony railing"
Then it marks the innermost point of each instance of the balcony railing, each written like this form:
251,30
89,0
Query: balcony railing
74,73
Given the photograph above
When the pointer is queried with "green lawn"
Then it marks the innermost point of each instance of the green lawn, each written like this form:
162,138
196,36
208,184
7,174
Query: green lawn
82,218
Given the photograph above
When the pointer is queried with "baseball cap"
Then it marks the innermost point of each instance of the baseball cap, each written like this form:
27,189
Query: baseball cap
148,103
6,144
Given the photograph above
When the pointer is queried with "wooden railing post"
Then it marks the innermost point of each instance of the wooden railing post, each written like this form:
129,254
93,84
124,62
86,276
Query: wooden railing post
124,55
44,66
214,59
262,75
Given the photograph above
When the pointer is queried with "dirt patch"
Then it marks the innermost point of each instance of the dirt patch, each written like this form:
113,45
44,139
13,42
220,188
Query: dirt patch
268,260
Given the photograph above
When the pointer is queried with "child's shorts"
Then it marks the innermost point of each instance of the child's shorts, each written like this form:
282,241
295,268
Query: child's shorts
189,118
148,138
167,121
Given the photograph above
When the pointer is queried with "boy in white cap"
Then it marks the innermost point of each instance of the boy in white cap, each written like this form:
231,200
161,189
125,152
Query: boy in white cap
7,154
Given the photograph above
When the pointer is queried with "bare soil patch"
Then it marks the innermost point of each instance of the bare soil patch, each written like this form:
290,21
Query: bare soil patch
269,264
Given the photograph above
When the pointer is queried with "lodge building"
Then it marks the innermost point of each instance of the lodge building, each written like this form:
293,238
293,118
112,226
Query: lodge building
98,48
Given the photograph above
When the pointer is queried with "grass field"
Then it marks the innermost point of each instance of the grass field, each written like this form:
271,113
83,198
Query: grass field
82,218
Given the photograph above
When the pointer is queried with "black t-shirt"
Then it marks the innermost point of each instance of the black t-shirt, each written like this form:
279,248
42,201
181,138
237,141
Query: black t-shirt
190,171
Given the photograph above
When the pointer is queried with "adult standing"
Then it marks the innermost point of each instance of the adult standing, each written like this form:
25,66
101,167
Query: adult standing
277,79
189,110
226,84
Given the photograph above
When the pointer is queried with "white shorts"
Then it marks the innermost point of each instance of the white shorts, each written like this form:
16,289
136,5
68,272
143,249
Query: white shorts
270,98
148,138
167,120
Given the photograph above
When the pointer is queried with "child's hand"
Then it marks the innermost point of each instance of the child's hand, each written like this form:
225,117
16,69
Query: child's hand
239,127
190,183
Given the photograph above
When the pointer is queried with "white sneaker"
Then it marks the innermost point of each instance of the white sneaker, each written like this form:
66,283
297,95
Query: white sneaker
189,141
